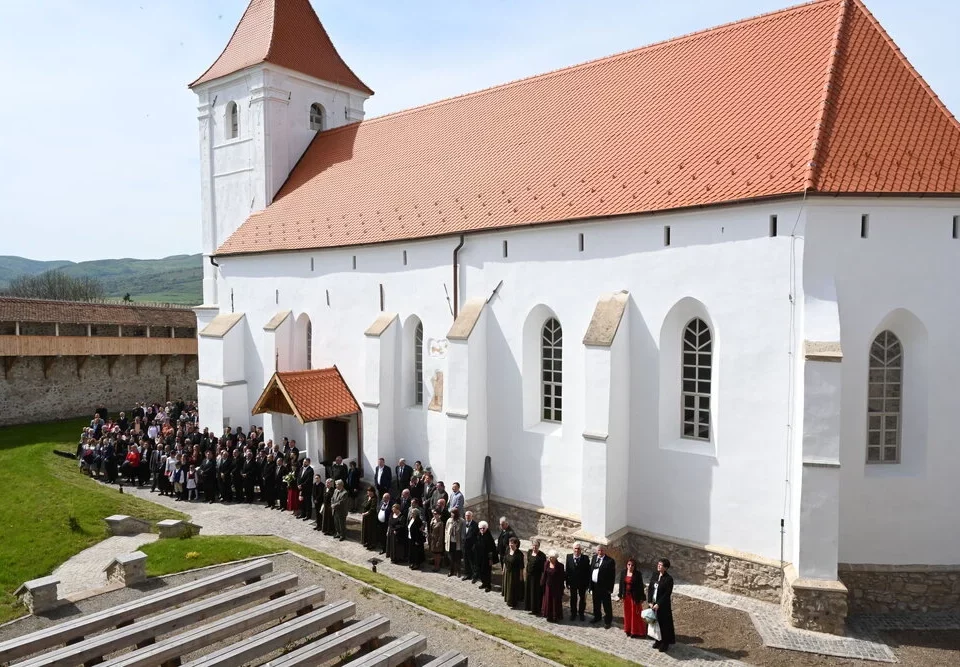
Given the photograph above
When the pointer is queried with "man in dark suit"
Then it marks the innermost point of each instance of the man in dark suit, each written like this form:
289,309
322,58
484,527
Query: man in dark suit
429,488
603,573
403,475
338,470
382,478
405,503
305,482
471,532
578,580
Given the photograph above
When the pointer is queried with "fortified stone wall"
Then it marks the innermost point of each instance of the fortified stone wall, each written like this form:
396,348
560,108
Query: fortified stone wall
26,395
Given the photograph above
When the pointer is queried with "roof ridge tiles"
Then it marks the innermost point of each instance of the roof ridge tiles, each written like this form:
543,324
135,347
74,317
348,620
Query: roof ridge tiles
740,23
827,99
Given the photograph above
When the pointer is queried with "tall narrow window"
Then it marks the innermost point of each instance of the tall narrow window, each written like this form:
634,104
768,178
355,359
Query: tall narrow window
418,364
697,378
316,117
884,399
233,120
551,365
309,345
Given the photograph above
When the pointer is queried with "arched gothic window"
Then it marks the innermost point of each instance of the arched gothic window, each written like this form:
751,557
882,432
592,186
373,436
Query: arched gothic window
233,120
418,365
309,345
697,377
316,116
884,399
551,366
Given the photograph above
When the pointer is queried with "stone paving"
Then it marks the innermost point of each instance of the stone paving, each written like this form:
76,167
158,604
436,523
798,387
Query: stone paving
774,632
253,519
85,571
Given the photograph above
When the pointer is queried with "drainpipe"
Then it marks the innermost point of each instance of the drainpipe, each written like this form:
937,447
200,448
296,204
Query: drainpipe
456,277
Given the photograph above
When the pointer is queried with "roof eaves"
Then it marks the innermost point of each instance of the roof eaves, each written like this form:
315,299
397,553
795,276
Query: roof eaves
290,401
786,194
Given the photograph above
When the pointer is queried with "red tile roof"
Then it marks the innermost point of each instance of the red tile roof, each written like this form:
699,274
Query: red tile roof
14,309
309,395
813,97
286,33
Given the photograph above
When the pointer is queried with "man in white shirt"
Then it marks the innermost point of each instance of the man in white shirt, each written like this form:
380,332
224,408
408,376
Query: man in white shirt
604,570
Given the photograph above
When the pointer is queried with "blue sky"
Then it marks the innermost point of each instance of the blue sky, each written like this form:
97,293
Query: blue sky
98,132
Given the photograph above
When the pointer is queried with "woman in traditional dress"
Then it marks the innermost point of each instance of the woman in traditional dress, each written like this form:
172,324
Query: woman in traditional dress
552,583
513,573
659,593
293,495
453,541
415,539
325,522
396,535
631,592
368,521
438,525
533,589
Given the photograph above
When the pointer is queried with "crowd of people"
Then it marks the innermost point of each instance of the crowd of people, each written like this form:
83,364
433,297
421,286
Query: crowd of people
406,515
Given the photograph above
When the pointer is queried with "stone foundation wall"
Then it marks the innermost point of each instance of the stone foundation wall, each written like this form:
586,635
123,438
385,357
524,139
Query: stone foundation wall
527,521
27,396
881,589
820,606
726,572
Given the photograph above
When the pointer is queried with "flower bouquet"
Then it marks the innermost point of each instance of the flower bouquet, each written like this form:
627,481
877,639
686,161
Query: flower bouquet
650,618
290,479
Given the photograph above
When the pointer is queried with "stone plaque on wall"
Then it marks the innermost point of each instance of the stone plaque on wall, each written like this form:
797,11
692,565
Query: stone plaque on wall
437,348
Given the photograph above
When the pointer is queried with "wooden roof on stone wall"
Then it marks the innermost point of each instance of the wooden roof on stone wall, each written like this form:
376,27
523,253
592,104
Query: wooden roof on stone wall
76,312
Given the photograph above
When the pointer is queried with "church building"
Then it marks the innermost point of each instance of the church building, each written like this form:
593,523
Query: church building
693,300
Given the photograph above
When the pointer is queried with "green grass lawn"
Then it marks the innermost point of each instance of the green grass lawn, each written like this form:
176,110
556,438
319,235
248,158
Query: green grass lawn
169,556
49,511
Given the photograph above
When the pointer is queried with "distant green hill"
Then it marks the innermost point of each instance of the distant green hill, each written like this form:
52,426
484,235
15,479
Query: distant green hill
175,279
11,267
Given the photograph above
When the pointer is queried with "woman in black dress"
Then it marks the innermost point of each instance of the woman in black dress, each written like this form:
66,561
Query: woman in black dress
658,594
396,536
533,588
368,521
485,554
513,573
325,523
416,538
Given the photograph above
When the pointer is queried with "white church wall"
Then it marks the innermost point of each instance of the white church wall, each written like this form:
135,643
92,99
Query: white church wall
902,276
721,257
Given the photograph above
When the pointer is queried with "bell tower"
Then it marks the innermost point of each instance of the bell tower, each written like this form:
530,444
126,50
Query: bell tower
277,83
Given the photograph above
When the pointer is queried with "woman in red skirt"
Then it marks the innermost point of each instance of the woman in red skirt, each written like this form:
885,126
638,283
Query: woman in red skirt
631,591
293,493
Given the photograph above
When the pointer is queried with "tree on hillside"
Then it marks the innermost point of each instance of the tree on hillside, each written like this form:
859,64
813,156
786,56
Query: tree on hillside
55,285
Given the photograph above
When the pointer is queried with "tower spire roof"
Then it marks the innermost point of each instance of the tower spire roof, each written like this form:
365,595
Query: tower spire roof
287,33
